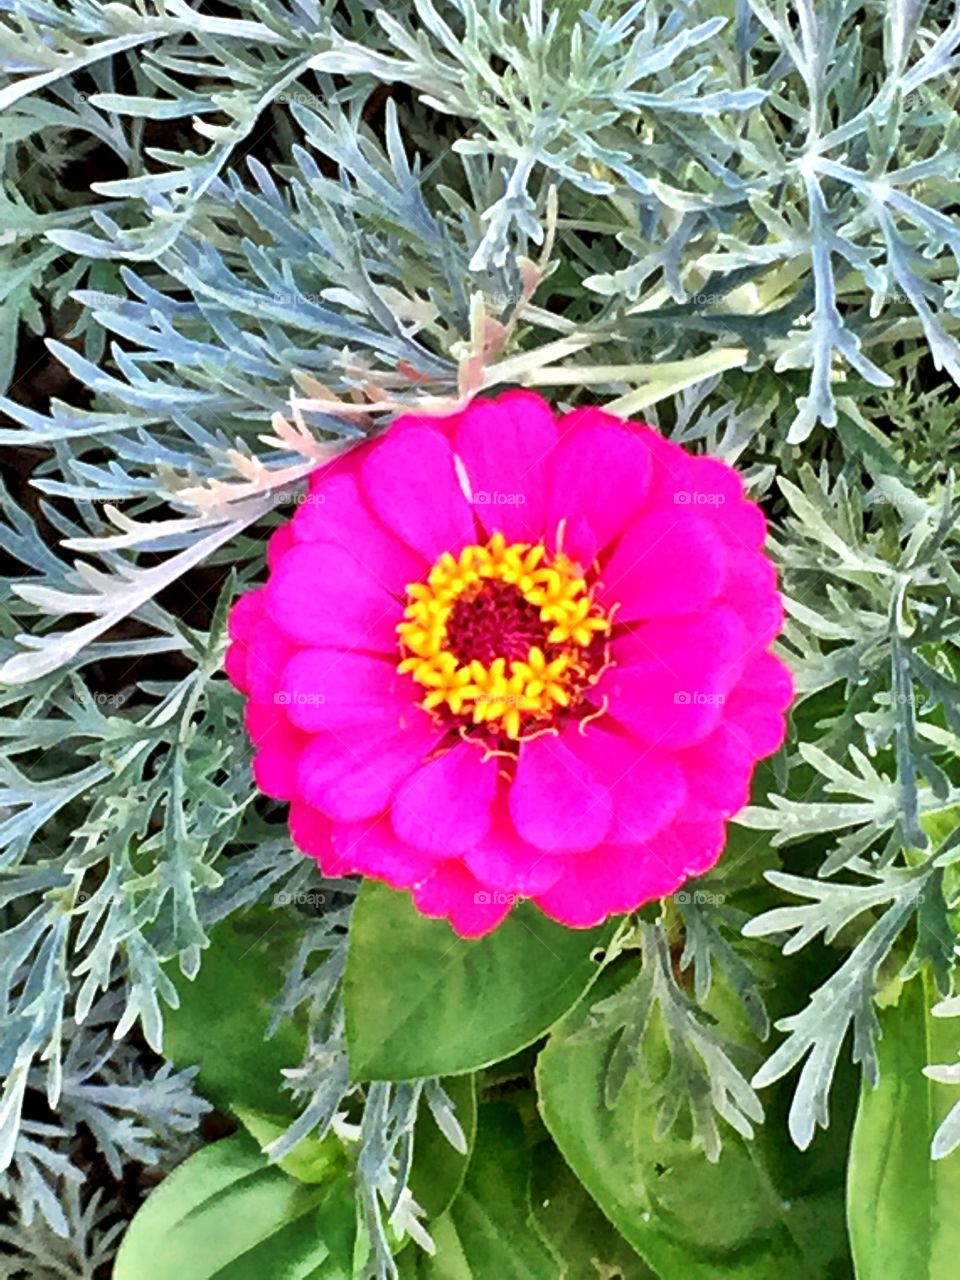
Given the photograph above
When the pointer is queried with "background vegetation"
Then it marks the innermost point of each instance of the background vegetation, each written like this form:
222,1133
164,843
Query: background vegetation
234,233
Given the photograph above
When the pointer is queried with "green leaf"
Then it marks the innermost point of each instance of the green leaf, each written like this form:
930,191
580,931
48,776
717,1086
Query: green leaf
901,1205
488,1232
583,1242
864,441
751,1215
311,1160
226,1213
438,1167
221,1024
422,1001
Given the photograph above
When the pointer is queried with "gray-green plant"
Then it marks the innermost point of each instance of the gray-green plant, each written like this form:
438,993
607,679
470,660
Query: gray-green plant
233,240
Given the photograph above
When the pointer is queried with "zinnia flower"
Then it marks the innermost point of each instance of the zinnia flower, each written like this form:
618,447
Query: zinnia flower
504,655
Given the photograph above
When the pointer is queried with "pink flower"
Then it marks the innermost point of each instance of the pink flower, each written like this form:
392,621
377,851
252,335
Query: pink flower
502,655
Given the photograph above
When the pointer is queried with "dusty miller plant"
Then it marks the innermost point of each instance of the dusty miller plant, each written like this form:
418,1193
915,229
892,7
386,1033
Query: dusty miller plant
248,238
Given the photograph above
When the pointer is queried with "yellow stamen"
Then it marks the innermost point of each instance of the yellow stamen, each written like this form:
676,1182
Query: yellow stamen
531,691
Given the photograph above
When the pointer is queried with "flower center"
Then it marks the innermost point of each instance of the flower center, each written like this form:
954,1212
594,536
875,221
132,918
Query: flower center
503,637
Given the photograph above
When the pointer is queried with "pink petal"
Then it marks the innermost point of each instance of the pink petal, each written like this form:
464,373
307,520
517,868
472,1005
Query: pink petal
751,589
675,696
278,544
673,469
503,861
443,425
667,562
645,786
259,718
754,709
718,772
335,690
454,893
768,678
744,522
335,513
244,613
235,665
312,833
275,769
627,646
275,762
616,879
556,801
356,775
720,488
268,651
412,485
346,463
445,806
372,849
504,444
692,847
662,708
717,485
606,881
320,596
704,485
599,474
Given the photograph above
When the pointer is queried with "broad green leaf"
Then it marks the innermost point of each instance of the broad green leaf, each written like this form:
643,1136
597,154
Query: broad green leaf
438,1168
422,1001
581,1239
901,1205
757,1213
488,1233
311,1160
226,1213
221,1025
